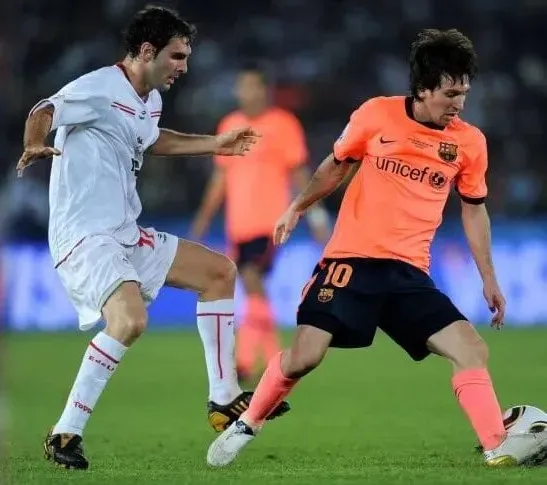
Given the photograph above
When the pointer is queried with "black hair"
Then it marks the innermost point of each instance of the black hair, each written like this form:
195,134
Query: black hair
257,68
157,25
440,53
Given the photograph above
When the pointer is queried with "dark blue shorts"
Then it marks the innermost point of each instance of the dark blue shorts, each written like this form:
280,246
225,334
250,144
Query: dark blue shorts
258,252
352,297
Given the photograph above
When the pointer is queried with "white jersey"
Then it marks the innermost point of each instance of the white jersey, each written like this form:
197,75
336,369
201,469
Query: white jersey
103,128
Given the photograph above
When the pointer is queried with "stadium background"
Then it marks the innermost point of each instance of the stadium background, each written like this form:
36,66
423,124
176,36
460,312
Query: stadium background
363,417
343,53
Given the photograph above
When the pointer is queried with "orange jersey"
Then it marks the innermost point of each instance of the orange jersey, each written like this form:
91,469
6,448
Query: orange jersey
258,185
394,204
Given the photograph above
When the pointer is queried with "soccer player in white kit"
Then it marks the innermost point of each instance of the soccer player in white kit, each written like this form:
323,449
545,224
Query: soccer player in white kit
111,268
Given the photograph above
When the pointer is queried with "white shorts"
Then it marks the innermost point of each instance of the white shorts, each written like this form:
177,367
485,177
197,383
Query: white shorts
99,264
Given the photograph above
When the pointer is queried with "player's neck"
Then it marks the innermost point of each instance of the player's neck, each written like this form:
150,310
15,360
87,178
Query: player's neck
256,110
417,111
133,71
420,112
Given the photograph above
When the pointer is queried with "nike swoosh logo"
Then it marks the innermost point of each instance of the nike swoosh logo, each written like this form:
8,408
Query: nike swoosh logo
386,141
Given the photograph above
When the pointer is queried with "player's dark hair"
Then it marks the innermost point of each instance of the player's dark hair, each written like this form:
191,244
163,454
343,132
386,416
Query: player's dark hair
440,53
157,25
255,67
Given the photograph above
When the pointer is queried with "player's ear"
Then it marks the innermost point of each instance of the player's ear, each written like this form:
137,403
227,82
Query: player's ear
421,94
147,52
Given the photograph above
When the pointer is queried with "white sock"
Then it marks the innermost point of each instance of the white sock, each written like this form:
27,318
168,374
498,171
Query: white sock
100,361
216,328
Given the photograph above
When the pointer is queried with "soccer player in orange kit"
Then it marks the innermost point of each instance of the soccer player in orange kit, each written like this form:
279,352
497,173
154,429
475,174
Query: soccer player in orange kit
256,190
408,152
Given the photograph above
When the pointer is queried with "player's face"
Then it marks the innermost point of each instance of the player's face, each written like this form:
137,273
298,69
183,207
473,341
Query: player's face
169,64
446,101
251,90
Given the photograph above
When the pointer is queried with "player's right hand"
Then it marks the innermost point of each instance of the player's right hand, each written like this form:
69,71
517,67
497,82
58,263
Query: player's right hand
285,225
496,302
32,154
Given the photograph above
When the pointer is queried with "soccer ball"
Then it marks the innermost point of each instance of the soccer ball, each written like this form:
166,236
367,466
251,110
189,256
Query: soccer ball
524,419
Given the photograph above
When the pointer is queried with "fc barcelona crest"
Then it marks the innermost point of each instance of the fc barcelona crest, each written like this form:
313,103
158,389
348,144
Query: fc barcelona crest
448,151
325,294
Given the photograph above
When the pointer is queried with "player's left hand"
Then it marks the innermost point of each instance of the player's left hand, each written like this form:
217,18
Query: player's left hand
32,154
285,225
496,302
235,142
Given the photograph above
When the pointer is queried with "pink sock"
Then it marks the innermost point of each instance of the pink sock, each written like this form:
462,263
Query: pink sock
248,345
476,395
256,333
271,390
265,323
270,342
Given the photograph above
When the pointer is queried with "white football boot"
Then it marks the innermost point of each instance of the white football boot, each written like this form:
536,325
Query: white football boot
230,442
518,449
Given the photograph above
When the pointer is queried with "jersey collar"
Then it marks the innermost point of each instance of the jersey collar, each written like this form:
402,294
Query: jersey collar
122,68
408,108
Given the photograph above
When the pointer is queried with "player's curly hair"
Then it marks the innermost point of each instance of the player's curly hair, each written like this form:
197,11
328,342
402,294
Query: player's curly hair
157,25
439,53
256,67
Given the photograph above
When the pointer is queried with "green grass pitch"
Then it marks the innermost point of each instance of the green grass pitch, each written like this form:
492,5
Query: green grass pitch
365,416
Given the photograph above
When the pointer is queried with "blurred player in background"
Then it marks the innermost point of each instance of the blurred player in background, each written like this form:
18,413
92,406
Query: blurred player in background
111,268
408,152
256,190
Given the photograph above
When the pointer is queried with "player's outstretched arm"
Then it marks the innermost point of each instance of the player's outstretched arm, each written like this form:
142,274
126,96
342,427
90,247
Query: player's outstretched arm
173,143
37,127
318,218
328,176
476,224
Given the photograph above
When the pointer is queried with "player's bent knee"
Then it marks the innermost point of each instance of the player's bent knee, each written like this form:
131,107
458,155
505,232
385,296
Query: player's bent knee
462,345
222,279
127,329
226,271
306,353
137,325
222,274
309,347
196,267
473,355
125,314
477,355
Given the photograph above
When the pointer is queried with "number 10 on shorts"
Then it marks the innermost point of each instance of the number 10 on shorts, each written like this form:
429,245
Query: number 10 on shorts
338,274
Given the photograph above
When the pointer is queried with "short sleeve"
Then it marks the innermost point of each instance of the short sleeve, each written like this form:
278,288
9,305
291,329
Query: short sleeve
155,114
351,145
471,181
294,142
79,102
